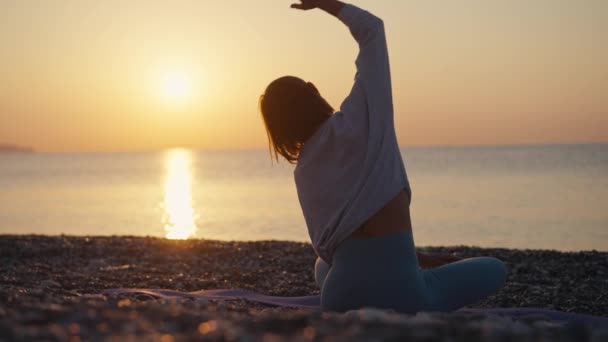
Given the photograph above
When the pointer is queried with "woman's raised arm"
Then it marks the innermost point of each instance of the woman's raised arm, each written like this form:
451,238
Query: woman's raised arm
372,89
373,67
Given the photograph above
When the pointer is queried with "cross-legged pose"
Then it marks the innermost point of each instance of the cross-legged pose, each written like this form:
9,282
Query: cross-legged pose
354,191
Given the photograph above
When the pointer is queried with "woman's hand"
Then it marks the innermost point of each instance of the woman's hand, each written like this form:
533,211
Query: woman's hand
432,260
306,5
332,7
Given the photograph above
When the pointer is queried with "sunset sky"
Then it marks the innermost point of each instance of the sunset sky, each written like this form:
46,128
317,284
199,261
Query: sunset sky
90,75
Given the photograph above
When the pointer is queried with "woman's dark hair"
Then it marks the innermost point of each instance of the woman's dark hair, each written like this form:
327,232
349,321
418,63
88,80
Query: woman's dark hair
292,110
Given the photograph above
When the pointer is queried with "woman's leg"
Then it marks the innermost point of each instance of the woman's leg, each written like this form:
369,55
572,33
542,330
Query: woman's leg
321,270
464,282
380,272
392,260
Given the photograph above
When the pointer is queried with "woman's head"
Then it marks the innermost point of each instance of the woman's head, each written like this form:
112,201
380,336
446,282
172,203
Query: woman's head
293,110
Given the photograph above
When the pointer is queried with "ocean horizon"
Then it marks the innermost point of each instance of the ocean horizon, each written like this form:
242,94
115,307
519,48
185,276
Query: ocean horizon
512,196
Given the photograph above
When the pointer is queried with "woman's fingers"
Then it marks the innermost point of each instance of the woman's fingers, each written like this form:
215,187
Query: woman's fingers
304,5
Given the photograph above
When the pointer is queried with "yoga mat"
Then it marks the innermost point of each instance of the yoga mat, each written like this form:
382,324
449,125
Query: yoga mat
305,302
313,303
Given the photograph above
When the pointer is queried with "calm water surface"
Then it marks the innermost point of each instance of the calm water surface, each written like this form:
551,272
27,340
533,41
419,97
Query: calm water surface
550,197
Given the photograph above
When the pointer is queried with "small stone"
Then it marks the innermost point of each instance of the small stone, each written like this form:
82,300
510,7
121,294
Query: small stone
201,301
49,283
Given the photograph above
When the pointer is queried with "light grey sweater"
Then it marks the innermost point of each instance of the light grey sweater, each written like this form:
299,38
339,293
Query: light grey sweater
351,167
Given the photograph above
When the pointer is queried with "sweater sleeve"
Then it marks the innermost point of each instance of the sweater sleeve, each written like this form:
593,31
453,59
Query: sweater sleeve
372,92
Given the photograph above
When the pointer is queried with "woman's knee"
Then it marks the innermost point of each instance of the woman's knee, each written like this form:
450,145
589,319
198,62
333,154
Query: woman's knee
464,282
321,270
496,270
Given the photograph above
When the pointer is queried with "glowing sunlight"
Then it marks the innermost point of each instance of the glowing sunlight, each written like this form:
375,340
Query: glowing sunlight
180,218
176,86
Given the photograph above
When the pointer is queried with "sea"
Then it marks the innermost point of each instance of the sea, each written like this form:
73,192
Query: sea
518,196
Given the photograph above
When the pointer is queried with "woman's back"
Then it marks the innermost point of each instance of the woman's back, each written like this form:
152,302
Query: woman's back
394,217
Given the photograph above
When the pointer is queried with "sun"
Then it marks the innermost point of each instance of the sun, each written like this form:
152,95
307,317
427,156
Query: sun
176,85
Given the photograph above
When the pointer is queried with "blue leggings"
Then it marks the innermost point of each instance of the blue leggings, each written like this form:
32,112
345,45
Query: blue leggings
383,272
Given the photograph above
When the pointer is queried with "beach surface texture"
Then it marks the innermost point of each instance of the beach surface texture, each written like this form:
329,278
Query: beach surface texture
51,288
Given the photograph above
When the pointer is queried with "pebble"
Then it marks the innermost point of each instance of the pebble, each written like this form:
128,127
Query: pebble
50,289
49,283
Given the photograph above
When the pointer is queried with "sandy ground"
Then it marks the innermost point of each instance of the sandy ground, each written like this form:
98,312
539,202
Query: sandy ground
50,289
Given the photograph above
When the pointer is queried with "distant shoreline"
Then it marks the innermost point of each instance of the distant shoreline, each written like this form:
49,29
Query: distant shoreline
8,148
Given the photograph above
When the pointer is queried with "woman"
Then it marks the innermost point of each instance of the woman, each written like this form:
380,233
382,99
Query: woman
354,191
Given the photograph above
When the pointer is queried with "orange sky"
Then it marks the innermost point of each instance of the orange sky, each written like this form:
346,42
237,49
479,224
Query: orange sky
83,75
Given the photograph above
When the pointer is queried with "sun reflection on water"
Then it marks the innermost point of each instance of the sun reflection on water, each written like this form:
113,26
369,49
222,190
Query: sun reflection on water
180,217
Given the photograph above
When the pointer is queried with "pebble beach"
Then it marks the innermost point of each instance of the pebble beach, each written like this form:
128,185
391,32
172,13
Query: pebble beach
51,288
